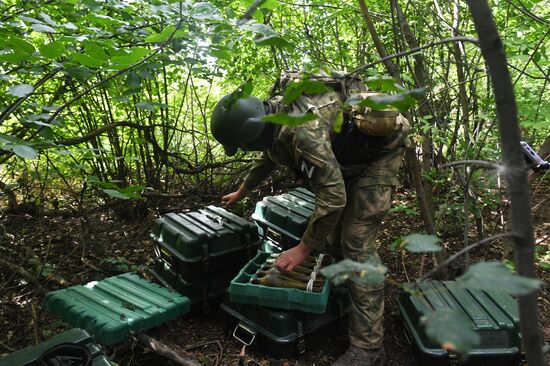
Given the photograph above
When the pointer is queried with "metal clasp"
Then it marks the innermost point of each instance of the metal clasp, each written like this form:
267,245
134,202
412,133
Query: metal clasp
246,331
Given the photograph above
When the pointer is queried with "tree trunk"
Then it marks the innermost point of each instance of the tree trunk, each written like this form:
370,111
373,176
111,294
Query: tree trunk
515,171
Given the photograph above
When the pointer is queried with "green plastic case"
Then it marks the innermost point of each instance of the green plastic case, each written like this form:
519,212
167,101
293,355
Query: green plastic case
112,308
283,219
242,291
196,244
203,294
494,316
29,356
286,333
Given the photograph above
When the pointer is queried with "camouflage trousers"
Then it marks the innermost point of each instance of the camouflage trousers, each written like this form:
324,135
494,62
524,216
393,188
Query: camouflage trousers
368,201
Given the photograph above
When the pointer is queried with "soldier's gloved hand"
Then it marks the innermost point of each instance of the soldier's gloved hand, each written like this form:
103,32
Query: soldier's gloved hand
289,259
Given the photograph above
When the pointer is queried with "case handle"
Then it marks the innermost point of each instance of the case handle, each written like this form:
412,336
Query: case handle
246,330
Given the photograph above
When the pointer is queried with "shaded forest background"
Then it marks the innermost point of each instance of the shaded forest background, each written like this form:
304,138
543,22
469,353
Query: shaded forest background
105,107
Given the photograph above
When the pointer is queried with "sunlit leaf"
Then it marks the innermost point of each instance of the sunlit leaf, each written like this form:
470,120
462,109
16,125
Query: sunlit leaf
52,50
306,86
369,273
43,28
48,19
132,57
495,276
451,330
23,151
418,243
290,119
272,40
382,84
401,101
116,194
95,51
243,91
21,90
205,11
20,45
148,106
14,57
86,60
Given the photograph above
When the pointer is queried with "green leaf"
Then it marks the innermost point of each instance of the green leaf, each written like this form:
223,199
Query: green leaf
21,90
402,101
205,11
338,122
78,72
419,243
52,50
221,54
451,330
130,58
43,28
18,44
148,106
272,40
24,151
369,273
291,119
14,57
494,276
270,4
306,86
95,51
243,91
48,19
382,84
116,194
133,80
86,60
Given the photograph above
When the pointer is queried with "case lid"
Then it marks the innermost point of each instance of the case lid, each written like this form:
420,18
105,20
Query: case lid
210,231
112,308
494,316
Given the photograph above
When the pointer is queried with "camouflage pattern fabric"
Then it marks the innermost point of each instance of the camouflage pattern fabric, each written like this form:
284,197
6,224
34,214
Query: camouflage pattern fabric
349,202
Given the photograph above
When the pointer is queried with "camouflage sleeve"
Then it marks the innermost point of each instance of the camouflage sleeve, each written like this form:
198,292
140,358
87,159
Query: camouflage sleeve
262,166
317,164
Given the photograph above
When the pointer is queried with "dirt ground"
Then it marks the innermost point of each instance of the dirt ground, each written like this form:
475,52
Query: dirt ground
77,247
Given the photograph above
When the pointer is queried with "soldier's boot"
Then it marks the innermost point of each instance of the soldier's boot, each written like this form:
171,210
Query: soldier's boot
356,356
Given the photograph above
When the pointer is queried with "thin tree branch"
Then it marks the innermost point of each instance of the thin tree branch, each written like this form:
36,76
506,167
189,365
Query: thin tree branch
123,71
483,163
413,50
463,251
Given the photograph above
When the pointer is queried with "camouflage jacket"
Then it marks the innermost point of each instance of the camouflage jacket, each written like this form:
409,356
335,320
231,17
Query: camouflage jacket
307,149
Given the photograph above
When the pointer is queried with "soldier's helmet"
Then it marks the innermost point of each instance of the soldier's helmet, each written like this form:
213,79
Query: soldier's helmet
236,123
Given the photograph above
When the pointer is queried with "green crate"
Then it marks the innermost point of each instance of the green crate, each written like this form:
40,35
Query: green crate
242,291
198,244
28,356
209,289
494,316
211,231
112,308
286,333
283,219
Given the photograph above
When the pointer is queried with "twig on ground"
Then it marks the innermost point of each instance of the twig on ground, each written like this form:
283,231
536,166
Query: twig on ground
163,350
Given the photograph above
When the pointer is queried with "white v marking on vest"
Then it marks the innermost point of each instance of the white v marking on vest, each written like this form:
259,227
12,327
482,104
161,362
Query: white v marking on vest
308,171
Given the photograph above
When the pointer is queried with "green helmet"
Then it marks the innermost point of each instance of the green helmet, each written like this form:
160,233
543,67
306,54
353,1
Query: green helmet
238,123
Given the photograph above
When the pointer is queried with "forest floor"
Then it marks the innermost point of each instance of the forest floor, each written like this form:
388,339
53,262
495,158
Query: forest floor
77,247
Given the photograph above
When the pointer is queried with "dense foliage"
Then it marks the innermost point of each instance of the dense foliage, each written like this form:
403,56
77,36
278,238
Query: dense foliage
117,94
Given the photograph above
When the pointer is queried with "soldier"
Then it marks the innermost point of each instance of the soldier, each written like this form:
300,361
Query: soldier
351,173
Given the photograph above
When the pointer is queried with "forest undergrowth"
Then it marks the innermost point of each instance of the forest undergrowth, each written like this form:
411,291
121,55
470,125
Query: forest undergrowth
57,249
